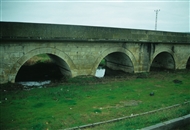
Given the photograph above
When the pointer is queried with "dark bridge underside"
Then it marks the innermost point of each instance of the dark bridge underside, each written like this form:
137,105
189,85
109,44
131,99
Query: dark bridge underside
34,31
119,61
163,60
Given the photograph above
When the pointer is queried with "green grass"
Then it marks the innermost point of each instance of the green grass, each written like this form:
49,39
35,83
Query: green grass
144,121
103,62
89,100
42,58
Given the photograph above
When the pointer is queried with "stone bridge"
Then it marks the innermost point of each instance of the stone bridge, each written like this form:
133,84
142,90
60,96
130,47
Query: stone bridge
78,50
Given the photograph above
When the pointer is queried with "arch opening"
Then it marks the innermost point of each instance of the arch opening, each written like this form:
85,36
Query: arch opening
116,63
188,64
163,61
43,67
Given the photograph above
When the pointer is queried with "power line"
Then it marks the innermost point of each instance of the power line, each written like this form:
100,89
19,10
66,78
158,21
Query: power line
156,18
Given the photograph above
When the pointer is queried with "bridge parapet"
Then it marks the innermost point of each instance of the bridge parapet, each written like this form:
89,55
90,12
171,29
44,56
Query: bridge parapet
35,31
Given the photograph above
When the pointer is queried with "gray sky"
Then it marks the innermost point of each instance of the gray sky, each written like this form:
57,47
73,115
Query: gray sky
174,15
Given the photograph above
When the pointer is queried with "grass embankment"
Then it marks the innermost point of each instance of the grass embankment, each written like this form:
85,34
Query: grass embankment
89,100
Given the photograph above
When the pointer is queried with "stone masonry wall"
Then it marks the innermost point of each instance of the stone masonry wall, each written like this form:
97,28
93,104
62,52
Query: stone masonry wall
83,58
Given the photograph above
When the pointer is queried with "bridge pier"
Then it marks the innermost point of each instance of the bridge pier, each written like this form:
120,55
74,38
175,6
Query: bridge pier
181,54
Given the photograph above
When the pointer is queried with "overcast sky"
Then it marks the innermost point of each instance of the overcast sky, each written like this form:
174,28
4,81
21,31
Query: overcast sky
174,15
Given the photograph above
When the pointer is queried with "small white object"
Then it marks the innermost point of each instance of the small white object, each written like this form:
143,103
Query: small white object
100,73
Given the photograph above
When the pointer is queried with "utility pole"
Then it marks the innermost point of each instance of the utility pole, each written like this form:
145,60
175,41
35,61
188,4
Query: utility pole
156,18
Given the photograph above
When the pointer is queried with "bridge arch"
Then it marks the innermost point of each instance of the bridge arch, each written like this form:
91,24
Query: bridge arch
54,53
163,60
115,53
188,63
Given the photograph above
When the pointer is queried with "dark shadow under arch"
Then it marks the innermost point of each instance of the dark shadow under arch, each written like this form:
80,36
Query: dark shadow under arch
17,65
163,61
116,52
117,63
53,68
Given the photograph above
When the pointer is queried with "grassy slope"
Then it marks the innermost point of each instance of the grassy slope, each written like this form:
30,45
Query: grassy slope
68,105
